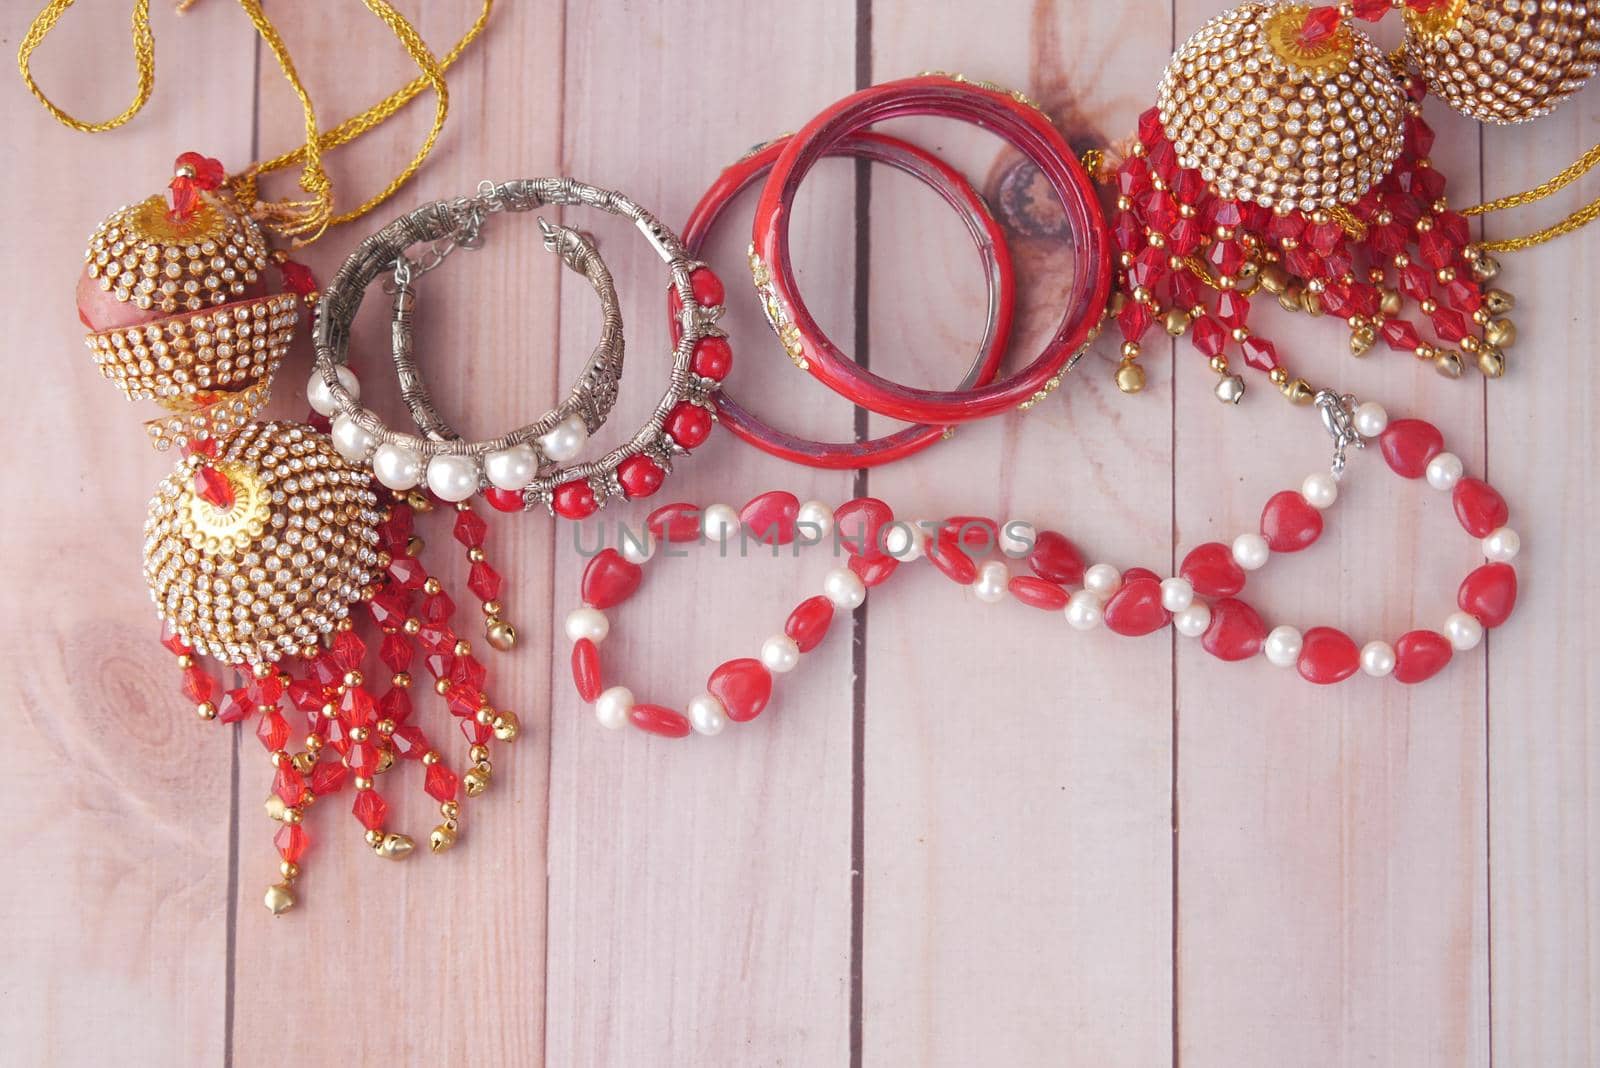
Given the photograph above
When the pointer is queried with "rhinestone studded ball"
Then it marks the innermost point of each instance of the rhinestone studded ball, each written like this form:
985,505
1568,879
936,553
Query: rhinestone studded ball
1505,61
255,553
143,256
1272,120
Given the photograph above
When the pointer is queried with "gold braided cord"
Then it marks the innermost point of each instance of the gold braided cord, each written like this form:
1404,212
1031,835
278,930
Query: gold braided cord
1584,215
144,57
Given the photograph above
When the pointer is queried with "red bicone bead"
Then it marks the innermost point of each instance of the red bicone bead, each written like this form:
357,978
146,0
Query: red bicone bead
440,782
770,517
348,650
1370,10
197,686
860,524
1235,632
1419,135
388,611
1150,129
273,731
946,555
474,732
1463,295
1400,334
1226,256
1454,226
1190,186
808,623
1157,209
409,741
362,759
208,173
327,777
439,664
1416,281
640,476
1055,559
1259,353
1038,593
1336,300
1133,176
357,707
688,424
213,487
609,579
185,197
675,522
1324,237
1212,571
396,653
484,581
1489,593
873,570
289,784
1408,445
467,671
504,500
1133,320
236,706
1479,506
1289,523
1127,232
1209,336
712,358
172,642
1450,324
470,528
586,669
463,699
1233,308
1420,655
744,686
1185,237
395,705
297,278
291,841
370,808
574,500
265,690
1436,249
437,607
1327,656
656,719
407,573
1136,608
1286,227
1319,26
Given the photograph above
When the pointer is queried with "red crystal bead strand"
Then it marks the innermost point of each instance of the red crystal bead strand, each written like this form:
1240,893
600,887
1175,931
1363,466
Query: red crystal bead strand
471,530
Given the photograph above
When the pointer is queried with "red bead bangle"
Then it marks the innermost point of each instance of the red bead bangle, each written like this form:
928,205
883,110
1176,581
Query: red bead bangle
1027,129
986,234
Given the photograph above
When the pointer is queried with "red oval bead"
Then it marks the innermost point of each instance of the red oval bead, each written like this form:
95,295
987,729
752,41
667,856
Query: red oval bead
574,500
1135,574
860,524
1038,593
1489,593
1479,506
640,476
808,623
1211,570
872,570
1136,608
1235,631
712,358
1420,655
1289,523
1055,559
1408,445
744,686
586,669
675,522
609,579
973,531
688,425
771,516
947,556
707,287
504,500
1327,656
656,719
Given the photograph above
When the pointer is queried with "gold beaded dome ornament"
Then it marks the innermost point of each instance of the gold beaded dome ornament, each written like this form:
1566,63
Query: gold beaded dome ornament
1505,61
1272,110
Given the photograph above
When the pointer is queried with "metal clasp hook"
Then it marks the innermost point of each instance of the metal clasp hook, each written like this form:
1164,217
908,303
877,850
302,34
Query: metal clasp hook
1338,418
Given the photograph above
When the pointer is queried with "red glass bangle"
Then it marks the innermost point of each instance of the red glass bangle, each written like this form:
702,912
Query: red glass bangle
954,189
1027,129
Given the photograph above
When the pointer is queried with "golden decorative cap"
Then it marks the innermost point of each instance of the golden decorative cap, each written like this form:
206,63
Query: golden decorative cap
144,256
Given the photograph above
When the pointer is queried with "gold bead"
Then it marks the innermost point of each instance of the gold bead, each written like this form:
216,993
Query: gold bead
1448,364
492,608
441,686
450,810
401,679
1274,279
1118,301
463,648
386,727
395,846
475,555
475,781
1501,333
353,679
206,710
279,899
1278,376
275,807
1498,301
289,870
1289,300
185,662
359,734
441,838
1177,321
430,757
1219,364
263,671
1491,362
485,715
1481,317
374,838
1311,303
1241,334
304,762
432,585
412,625
292,814
361,782
507,726
420,503
1486,268
385,760
414,547
1129,377
314,742
1130,350
478,754
1362,340
500,635
1299,391
330,711
1429,306
1391,303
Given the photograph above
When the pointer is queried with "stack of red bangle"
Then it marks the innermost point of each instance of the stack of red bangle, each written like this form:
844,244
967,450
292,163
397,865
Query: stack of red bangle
840,130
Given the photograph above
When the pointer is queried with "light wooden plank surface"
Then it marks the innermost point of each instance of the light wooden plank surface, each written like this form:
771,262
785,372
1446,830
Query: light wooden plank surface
1004,842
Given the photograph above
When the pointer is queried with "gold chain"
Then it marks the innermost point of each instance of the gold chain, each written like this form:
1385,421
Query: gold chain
1584,215
304,220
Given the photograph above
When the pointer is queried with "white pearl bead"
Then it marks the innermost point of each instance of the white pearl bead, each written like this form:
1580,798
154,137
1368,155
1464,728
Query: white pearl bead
1017,538
1083,610
1444,471
453,478
637,546
1101,580
719,521
993,579
321,399
814,522
1320,490
1283,646
903,539
588,623
1250,551
706,714
513,468
351,440
396,466
1192,620
1176,594
780,653
611,708
1370,419
1463,630
844,588
565,440
1377,659
1502,545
